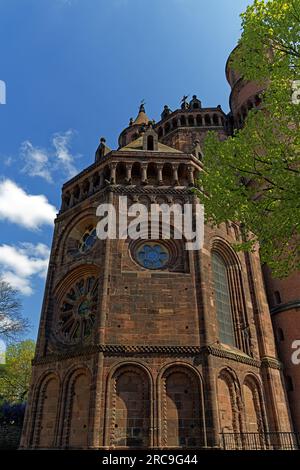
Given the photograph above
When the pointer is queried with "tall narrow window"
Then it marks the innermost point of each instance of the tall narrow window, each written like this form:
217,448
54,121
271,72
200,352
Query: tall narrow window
280,334
150,142
222,298
289,383
277,297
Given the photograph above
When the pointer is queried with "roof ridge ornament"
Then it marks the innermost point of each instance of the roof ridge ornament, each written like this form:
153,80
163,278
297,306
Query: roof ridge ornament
142,106
184,104
102,149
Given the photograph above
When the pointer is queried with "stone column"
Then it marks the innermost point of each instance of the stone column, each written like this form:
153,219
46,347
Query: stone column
113,167
191,175
159,173
175,173
64,204
91,186
128,173
71,203
101,181
144,172
95,185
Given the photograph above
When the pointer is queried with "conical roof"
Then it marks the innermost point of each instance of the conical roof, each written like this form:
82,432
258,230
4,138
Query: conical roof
142,117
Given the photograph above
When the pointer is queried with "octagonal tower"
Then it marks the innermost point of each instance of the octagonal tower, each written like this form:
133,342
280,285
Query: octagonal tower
143,343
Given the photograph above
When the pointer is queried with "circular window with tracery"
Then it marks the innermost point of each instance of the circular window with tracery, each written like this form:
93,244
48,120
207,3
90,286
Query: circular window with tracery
77,310
88,239
152,255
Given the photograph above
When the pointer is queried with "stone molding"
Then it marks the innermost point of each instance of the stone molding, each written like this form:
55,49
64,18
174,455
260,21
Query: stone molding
287,306
142,350
271,363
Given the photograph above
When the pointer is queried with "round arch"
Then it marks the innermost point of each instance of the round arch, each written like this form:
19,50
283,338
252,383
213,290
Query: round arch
74,422
255,412
181,407
45,396
87,215
129,382
229,400
233,283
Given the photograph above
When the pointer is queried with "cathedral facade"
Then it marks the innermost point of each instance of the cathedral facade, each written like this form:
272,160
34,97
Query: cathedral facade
144,344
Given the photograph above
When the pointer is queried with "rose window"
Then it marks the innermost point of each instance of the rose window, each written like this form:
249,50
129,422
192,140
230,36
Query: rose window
78,310
152,255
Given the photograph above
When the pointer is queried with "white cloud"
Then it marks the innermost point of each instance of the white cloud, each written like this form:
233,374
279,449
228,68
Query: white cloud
36,161
24,209
51,162
66,2
19,264
61,142
8,161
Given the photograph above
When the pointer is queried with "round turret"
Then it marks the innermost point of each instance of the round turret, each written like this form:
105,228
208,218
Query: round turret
135,127
244,95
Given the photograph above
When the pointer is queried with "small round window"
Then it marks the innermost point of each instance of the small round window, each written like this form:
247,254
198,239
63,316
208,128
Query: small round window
152,255
88,240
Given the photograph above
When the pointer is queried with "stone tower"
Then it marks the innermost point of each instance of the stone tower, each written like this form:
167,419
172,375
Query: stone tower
141,342
283,294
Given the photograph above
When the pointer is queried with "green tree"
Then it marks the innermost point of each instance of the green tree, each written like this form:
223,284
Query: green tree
15,373
254,176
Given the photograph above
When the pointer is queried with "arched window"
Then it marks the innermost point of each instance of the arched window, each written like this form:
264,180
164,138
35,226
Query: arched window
215,120
280,334
277,297
150,142
199,120
207,120
222,298
191,120
231,306
289,383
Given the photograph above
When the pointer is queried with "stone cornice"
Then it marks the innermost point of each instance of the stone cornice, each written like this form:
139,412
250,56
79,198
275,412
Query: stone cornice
147,350
234,356
271,363
117,349
127,190
160,190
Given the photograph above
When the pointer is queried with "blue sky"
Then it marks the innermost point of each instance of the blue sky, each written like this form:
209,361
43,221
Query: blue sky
76,70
